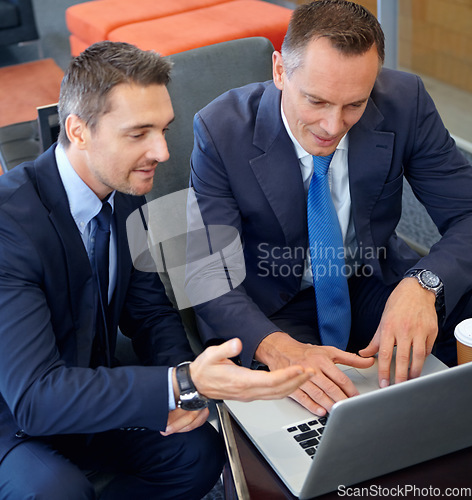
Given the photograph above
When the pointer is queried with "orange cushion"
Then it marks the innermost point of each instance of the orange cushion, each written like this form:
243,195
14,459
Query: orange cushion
92,21
197,28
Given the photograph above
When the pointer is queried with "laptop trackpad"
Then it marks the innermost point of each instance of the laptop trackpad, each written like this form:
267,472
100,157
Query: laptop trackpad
365,379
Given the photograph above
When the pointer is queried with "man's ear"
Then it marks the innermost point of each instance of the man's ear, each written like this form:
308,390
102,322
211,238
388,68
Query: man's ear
77,131
278,71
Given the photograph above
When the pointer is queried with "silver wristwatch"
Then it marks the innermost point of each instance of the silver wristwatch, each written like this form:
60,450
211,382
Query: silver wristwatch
189,399
427,279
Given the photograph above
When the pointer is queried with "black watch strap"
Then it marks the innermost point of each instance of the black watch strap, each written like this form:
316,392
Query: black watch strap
182,372
189,399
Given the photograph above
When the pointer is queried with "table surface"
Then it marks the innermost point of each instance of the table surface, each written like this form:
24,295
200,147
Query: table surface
260,482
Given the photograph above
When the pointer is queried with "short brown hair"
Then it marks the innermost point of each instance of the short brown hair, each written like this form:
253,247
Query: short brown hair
93,74
351,28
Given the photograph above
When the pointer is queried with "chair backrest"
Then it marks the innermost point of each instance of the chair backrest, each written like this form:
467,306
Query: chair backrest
25,141
48,126
19,142
199,76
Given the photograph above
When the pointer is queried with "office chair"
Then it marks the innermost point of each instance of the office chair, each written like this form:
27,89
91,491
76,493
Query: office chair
199,76
25,141
19,142
48,126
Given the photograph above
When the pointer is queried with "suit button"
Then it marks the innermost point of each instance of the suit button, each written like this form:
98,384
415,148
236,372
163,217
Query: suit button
21,434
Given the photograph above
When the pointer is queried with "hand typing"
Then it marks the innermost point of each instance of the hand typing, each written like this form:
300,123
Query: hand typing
328,383
409,322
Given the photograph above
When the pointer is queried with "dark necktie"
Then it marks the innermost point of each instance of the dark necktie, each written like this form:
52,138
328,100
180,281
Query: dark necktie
327,259
100,265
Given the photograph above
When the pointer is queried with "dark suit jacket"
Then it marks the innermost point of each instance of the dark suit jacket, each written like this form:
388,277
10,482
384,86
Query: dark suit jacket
47,316
246,174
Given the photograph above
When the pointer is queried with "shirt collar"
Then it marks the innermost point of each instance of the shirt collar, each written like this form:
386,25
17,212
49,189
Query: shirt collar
300,152
84,204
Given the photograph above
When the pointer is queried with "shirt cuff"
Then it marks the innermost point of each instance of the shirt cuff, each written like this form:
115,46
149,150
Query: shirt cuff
172,405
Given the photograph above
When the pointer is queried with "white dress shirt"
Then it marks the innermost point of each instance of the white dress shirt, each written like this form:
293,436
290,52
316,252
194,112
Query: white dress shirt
338,178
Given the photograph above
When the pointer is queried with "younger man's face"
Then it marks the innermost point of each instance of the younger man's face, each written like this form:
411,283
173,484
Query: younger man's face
124,149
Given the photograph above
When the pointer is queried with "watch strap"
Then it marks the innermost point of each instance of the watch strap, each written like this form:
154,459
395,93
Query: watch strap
184,380
416,273
189,399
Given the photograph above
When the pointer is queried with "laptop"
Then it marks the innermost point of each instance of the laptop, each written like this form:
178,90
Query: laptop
377,432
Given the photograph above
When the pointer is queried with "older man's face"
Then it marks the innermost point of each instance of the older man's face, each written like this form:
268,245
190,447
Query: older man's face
326,95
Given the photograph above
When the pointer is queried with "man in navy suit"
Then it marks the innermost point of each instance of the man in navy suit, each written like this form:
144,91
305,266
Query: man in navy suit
251,169
64,405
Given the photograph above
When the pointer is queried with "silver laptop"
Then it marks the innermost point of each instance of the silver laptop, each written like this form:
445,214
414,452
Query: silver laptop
366,436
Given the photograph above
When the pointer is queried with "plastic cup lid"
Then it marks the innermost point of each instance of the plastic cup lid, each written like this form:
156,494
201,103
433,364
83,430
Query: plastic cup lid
463,332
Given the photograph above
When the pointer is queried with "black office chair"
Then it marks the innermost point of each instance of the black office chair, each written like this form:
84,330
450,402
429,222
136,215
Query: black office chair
48,126
17,22
25,141
199,76
19,142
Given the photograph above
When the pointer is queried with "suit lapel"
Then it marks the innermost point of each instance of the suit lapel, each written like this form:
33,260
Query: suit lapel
278,173
123,259
277,168
370,157
79,271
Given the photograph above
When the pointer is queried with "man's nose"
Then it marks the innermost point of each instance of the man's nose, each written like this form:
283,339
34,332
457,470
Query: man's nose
333,122
158,150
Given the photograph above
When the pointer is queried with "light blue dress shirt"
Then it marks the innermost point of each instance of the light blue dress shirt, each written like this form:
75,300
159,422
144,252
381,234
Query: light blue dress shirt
84,205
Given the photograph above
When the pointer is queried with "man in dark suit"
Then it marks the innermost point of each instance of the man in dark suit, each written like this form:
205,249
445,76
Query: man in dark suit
65,407
254,155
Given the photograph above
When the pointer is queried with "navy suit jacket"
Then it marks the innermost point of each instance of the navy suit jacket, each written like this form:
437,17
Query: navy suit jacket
47,315
246,174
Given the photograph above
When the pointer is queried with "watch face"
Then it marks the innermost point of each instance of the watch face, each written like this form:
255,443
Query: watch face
430,279
192,402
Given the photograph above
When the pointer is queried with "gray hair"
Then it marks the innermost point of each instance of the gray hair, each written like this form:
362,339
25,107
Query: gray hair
93,74
351,28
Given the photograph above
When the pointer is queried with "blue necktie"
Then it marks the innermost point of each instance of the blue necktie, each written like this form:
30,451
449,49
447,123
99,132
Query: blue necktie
327,259
100,265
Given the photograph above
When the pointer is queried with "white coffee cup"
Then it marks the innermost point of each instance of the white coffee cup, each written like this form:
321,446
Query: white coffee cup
463,334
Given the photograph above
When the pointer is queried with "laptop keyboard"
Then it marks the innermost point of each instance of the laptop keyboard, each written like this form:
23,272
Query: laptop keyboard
308,434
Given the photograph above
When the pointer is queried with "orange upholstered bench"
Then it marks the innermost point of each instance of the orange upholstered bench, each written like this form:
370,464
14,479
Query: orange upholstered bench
91,22
214,24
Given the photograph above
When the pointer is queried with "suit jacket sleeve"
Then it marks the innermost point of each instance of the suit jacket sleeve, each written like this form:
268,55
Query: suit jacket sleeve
233,314
441,179
44,348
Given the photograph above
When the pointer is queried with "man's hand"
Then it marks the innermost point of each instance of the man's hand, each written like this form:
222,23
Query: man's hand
184,421
410,322
217,377
328,383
